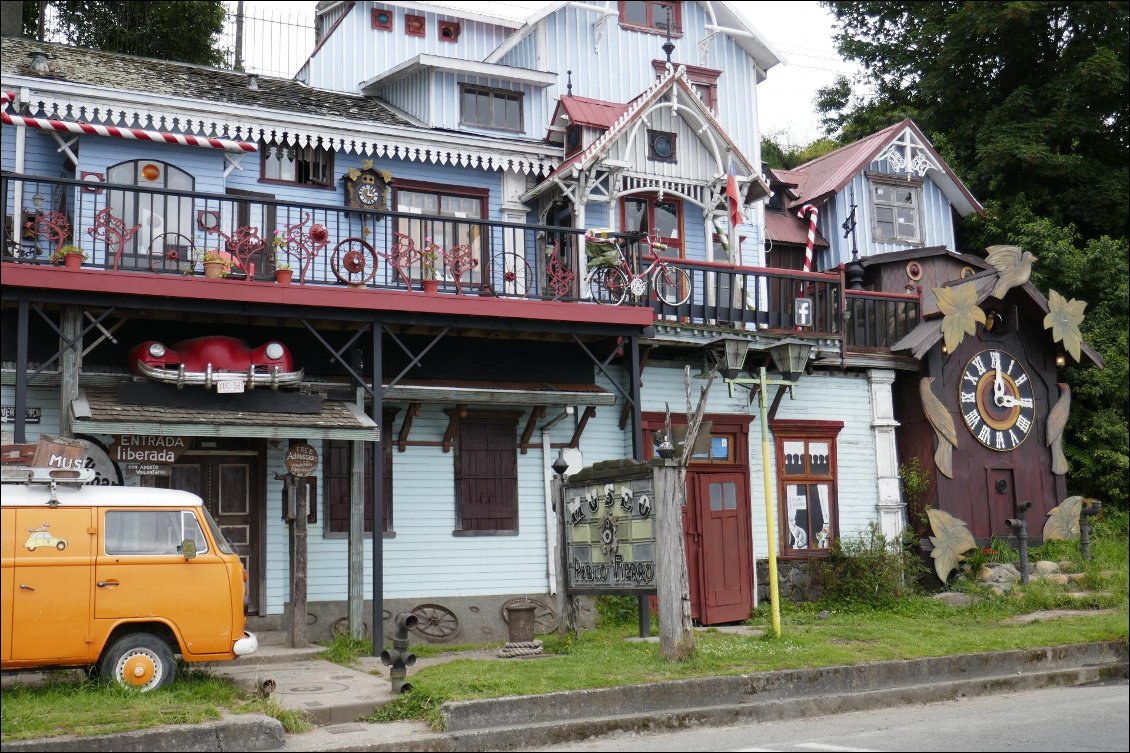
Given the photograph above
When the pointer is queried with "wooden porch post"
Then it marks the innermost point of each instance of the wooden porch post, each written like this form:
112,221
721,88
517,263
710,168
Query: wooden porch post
70,364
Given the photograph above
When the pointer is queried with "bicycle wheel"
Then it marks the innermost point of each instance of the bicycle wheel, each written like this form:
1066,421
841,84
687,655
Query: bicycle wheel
672,285
608,285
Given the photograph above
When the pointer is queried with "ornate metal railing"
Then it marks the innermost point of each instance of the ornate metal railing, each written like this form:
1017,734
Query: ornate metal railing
876,321
167,231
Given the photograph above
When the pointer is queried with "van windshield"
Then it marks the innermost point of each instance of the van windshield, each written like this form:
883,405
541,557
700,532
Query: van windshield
221,540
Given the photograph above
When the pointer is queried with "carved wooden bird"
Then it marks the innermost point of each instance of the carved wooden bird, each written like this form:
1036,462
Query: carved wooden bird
1013,266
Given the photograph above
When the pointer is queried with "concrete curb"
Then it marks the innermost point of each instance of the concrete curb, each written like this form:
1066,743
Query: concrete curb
242,732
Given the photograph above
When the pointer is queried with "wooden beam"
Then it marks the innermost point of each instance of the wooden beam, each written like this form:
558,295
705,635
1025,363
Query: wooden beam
589,413
537,412
452,425
406,426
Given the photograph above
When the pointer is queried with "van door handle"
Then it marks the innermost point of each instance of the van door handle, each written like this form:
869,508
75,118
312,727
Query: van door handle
106,583
26,587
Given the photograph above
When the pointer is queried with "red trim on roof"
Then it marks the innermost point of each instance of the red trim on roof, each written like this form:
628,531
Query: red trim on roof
592,112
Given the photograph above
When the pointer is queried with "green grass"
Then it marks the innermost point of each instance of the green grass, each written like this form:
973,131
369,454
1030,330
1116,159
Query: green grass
850,633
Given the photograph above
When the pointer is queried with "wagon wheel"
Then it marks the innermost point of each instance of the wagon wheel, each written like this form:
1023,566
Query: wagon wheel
544,616
436,623
172,252
354,262
511,275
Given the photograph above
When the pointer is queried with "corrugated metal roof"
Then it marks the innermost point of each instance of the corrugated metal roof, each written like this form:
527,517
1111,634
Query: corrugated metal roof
788,228
181,80
828,174
592,112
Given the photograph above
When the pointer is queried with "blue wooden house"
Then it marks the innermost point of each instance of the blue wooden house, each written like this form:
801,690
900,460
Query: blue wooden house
437,182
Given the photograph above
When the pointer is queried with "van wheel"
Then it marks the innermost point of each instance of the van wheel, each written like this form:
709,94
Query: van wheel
140,661
61,545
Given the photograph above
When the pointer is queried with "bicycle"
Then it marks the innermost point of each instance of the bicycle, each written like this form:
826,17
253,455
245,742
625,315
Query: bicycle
611,284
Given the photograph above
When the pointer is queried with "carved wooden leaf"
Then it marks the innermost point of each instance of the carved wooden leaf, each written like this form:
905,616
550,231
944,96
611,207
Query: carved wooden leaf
1057,419
942,422
951,538
1063,319
1063,521
961,313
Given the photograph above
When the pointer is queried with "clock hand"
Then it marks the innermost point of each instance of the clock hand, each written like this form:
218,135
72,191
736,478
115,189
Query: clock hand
999,396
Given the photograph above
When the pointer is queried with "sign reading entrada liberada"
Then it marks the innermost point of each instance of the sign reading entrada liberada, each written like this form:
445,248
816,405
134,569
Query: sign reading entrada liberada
610,535
145,448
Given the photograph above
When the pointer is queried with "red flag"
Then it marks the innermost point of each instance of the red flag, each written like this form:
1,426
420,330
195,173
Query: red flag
732,195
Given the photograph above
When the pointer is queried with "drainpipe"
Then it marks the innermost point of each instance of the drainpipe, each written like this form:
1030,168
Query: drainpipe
18,166
550,512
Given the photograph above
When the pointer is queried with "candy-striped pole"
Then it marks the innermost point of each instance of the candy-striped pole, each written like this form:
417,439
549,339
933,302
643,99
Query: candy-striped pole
811,211
121,133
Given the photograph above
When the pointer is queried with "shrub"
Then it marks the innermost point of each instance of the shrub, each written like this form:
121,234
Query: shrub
616,610
868,570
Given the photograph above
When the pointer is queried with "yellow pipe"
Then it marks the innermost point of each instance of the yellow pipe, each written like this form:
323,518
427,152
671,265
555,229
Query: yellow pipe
770,526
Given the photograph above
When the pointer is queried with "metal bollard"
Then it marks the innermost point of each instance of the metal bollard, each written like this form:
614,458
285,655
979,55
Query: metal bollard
1090,509
400,659
1020,525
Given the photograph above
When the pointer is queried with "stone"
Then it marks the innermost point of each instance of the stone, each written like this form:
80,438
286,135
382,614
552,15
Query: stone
1066,566
954,598
998,591
1046,567
823,615
1058,578
1005,573
985,573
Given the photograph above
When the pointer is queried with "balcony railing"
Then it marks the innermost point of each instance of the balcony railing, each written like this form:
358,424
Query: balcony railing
876,321
168,231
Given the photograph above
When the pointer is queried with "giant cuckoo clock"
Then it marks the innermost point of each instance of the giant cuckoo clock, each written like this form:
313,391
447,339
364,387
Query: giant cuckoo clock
985,416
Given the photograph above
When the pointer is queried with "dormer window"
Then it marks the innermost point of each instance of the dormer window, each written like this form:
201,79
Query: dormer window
573,139
498,109
704,81
651,16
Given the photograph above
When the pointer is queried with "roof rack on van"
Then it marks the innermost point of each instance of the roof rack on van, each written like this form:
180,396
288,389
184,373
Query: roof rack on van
23,474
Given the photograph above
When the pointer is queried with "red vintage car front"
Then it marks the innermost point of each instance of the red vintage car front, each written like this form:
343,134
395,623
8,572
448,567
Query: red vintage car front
224,362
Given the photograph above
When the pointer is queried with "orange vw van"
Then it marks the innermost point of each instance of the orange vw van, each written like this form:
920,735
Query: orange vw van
115,578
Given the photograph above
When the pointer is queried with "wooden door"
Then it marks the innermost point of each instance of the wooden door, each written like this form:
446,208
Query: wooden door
230,485
1002,499
724,560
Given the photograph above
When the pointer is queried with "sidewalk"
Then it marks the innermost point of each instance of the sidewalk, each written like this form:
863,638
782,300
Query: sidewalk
335,697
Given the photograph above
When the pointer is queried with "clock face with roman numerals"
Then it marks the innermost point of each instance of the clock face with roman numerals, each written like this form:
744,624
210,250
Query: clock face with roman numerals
996,402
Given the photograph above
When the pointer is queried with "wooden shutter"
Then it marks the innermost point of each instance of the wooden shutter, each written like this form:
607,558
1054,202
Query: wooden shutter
339,465
488,475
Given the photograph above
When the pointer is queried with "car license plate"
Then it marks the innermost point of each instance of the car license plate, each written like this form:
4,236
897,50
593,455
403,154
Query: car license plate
229,385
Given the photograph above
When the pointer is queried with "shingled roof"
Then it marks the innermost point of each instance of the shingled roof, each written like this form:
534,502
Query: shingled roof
166,78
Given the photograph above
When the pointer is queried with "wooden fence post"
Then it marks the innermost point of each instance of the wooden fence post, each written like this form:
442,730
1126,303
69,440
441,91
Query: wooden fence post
676,633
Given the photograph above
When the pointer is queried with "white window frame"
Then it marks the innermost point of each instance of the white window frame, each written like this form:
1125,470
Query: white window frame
889,182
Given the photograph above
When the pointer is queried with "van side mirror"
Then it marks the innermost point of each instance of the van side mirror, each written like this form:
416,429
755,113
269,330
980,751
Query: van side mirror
188,549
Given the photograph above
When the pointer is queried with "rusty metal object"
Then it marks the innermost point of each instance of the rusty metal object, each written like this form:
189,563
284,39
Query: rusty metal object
400,658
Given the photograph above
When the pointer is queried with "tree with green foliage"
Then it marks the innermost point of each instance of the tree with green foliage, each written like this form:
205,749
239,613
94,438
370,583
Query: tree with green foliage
1028,102
184,31
776,153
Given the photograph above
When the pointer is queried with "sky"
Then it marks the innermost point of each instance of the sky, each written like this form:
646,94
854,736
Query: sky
801,31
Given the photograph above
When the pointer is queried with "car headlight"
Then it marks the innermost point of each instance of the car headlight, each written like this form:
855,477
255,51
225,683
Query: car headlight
157,350
274,351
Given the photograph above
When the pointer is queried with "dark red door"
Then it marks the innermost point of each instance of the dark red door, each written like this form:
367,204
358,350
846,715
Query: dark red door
724,559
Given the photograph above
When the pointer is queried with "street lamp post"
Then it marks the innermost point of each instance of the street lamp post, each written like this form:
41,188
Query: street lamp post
790,357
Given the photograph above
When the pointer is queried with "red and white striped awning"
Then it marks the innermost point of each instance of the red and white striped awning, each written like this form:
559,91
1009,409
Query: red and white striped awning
228,145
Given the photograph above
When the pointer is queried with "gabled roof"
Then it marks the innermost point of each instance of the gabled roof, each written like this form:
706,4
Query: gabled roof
424,62
928,333
721,14
591,112
635,110
826,176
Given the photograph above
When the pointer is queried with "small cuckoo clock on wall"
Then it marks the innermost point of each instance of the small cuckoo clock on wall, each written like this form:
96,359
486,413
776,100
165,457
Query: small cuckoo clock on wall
367,188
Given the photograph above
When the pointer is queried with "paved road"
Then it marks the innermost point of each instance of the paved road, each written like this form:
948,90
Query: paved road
1093,718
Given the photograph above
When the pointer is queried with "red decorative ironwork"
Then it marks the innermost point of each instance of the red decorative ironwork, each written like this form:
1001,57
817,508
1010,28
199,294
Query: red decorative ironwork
459,260
113,230
402,256
354,262
52,226
240,246
299,243
558,276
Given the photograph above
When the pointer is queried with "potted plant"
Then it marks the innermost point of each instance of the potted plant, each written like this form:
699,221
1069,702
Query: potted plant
283,273
429,258
216,264
69,256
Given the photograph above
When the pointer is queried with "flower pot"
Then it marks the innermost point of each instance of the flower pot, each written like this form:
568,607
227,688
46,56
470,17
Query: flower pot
284,276
72,261
430,286
214,269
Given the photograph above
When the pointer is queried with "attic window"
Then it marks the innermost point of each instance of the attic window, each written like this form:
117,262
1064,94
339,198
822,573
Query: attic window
651,17
449,31
414,26
895,209
704,81
382,19
661,146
